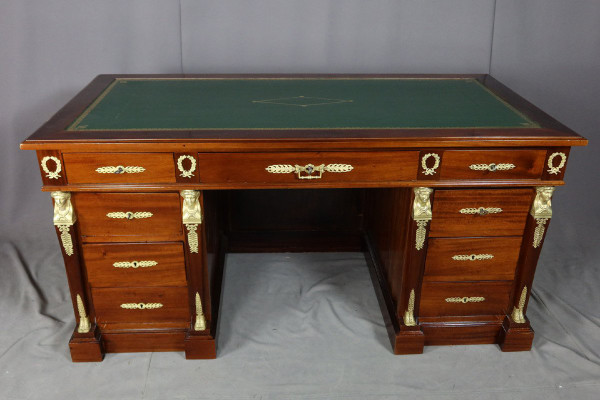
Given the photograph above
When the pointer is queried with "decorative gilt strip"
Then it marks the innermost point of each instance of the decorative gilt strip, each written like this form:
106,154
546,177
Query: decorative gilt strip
541,211
186,173
192,236
518,314
191,217
84,321
200,323
120,169
134,264
141,306
420,234
280,169
129,215
51,174
472,257
492,167
555,170
421,214
538,233
481,210
464,300
409,315
430,170
338,168
308,169
64,218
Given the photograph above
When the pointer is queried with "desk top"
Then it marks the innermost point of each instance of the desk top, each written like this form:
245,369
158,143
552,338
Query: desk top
383,111
153,104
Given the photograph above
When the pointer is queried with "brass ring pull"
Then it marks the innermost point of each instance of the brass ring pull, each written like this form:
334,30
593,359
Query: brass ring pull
58,167
555,170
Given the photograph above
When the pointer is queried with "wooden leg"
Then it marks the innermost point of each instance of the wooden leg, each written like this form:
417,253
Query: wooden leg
200,347
515,337
409,340
85,348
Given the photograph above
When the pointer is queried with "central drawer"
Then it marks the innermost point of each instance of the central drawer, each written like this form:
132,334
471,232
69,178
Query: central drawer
142,305
129,216
315,167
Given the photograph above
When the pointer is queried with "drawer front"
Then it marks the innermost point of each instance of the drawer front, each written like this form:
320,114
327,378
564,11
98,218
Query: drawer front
439,299
472,259
492,164
134,264
153,216
119,167
315,167
141,304
481,212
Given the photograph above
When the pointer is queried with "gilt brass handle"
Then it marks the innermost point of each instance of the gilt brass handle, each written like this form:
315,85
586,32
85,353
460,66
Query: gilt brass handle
141,306
306,171
492,167
465,300
129,215
472,257
134,264
120,169
481,210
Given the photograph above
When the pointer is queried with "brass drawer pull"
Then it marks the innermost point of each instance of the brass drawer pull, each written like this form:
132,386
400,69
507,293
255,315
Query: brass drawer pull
129,215
308,169
120,169
472,257
492,167
134,264
141,306
481,210
465,300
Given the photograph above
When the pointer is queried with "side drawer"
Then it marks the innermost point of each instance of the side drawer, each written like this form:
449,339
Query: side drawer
317,167
151,216
480,212
141,304
472,259
493,164
439,299
119,167
134,264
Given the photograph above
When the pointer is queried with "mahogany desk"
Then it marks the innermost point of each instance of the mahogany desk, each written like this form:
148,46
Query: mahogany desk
445,183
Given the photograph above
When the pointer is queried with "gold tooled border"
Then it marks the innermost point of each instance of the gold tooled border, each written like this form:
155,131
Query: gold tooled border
74,126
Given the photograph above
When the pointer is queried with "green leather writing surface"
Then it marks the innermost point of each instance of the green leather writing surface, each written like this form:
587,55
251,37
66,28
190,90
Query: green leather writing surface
293,103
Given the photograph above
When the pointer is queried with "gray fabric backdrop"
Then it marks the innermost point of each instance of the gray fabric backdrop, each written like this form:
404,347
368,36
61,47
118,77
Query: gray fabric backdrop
318,332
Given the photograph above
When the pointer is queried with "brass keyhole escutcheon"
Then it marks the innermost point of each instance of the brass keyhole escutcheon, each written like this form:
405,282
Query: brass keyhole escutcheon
129,215
483,211
120,169
492,167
